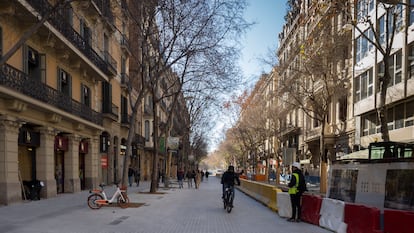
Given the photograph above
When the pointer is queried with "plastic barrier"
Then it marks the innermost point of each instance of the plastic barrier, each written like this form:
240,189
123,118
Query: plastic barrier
360,218
311,206
264,193
283,205
332,215
398,221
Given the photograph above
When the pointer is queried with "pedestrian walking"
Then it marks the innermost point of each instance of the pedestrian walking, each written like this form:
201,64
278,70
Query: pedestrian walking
297,187
130,175
180,178
189,177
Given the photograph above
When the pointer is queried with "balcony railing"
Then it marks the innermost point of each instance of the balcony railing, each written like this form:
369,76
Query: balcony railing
55,19
20,82
111,62
104,6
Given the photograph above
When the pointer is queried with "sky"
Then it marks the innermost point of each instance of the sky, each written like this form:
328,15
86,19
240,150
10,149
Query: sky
262,37
268,16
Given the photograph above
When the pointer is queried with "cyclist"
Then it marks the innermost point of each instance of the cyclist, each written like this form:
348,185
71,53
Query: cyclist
228,178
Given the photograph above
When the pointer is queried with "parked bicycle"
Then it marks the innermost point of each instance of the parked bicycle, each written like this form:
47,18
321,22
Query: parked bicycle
98,197
228,199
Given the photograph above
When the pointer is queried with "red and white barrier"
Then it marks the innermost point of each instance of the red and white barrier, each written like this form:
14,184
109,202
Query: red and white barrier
311,206
362,219
332,215
398,221
284,207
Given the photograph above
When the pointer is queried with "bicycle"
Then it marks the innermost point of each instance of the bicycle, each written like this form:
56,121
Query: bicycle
228,199
98,197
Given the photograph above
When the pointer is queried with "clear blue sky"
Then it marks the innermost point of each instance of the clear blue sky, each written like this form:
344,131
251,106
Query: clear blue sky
268,16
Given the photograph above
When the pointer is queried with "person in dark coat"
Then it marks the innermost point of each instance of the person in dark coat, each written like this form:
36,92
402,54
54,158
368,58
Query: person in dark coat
228,179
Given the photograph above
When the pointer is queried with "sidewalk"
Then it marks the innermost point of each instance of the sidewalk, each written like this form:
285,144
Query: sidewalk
173,211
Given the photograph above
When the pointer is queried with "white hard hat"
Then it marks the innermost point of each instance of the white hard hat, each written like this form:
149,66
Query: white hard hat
296,164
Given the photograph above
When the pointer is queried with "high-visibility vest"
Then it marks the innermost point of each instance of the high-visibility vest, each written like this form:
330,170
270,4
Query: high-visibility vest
294,189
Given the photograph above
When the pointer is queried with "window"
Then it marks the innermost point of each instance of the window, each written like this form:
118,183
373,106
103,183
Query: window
409,113
86,95
147,131
34,64
106,97
411,12
85,33
124,109
364,7
369,124
399,116
364,85
390,118
395,68
387,19
343,106
363,46
64,82
381,28
411,62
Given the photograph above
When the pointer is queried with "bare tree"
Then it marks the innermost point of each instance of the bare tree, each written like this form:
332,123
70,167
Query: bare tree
317,74
193,40
382,39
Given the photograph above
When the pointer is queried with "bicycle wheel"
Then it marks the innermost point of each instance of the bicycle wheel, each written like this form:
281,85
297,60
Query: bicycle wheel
229,203
92,201
123,200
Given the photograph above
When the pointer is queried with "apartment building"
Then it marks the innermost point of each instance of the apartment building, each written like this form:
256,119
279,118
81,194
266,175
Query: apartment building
63,106
369,69
352,121
316,74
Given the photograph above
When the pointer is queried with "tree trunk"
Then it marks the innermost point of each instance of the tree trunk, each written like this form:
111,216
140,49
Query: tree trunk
382,109
323,161
154,174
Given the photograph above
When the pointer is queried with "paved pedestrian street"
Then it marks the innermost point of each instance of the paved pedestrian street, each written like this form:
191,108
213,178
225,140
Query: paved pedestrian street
169,211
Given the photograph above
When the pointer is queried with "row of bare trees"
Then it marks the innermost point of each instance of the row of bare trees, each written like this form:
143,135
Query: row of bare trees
316,74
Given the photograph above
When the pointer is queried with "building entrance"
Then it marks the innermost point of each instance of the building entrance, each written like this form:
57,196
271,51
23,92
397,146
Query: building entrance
59,171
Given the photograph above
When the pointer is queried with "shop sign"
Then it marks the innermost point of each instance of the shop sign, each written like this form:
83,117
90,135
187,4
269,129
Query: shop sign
104,161
83,147
28,138
61,143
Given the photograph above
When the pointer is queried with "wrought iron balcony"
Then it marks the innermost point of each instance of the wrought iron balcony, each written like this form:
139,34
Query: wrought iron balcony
124,80
125,44
55,19
18,81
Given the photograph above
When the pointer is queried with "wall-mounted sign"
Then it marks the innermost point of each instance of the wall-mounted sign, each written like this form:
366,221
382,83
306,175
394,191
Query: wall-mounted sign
61,143
104,161
83,147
